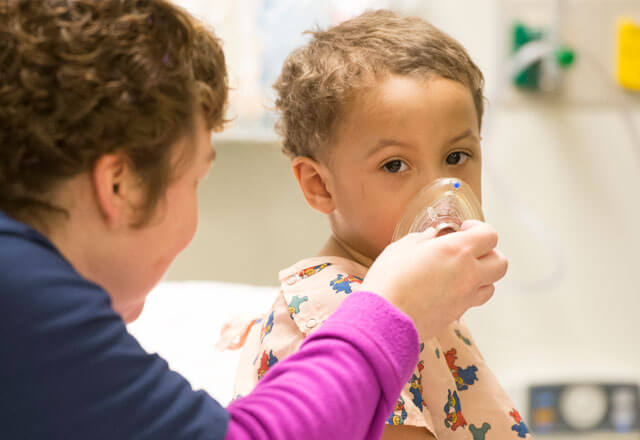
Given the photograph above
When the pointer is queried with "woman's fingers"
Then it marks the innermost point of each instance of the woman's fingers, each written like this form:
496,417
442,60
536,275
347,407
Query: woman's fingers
425,235
484,294
468,224
479,237
493,267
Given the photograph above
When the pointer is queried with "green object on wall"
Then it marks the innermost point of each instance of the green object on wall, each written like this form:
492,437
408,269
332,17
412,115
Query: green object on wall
529,78
565,57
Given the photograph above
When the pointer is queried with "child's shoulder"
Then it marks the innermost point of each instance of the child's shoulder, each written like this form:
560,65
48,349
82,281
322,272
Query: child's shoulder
314,287
322,275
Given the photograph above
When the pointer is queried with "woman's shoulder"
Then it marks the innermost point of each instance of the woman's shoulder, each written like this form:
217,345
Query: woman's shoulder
38,285
25,254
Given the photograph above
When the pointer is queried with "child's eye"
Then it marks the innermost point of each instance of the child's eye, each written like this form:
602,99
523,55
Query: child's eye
457,158
395,166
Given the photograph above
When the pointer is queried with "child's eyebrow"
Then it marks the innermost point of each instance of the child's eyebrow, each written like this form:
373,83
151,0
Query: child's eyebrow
467,133
382,143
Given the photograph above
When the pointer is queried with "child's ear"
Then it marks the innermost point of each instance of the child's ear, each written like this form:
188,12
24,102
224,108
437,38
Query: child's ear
312,177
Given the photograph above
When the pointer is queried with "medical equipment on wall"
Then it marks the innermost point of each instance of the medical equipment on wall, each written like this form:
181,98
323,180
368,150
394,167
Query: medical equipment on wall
628,53
538,59
598,410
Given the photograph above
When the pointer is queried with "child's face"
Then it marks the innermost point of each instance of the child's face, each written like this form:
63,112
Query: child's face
396,138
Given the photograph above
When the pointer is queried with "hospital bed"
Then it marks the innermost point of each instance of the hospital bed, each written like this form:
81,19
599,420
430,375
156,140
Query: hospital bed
181,322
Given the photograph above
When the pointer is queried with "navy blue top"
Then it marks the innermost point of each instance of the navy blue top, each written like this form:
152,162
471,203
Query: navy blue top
69,368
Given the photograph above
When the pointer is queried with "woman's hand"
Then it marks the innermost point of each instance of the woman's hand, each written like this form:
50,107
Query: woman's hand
435,280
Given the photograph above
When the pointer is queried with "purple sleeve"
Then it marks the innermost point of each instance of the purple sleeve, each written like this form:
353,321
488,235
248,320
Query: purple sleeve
343,382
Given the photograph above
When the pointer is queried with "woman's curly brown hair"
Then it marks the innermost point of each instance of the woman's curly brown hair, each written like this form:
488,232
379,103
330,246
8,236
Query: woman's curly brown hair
83,78
320,78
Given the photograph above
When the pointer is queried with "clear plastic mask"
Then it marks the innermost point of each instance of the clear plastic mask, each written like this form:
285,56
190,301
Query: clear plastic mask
443,205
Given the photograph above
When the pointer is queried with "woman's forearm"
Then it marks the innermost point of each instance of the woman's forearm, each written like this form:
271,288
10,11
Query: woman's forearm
341,384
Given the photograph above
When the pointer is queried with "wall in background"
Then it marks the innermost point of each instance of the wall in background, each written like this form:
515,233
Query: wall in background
253,219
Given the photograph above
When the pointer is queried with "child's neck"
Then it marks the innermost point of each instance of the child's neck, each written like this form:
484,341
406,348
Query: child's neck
334,247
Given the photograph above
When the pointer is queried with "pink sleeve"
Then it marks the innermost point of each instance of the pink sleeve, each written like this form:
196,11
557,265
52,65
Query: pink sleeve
343,382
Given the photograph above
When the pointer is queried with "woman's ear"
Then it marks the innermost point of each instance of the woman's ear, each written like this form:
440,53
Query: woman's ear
116,189
313,179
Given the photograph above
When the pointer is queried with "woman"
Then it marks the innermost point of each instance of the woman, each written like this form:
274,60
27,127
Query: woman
106,109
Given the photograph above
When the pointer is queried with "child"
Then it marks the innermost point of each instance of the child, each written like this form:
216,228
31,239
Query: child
373,110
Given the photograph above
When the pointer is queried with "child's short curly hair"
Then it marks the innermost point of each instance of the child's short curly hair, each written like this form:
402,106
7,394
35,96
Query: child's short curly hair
318,79
84,78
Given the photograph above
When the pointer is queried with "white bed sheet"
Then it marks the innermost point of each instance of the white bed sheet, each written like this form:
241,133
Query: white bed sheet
181,322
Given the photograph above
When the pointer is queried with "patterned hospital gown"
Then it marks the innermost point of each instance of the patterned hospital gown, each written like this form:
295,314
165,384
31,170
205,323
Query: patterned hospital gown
452,393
